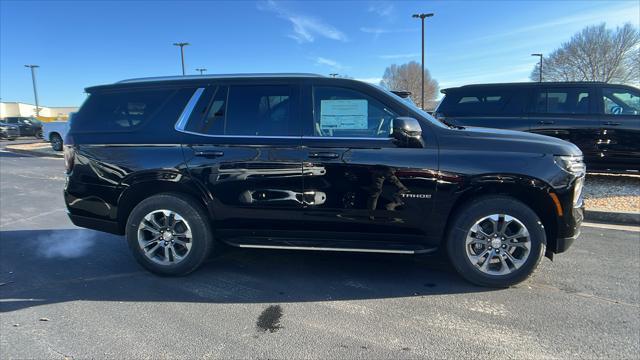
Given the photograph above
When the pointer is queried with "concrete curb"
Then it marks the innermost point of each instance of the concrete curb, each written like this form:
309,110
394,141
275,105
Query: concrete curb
610,217
33,152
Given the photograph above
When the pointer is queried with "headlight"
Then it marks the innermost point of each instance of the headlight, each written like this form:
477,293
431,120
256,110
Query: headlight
571,164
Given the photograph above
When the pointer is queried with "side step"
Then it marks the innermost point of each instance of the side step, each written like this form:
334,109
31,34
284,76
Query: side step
327,245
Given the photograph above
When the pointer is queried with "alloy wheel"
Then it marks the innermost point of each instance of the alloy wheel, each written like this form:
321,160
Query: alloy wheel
498,244
165,237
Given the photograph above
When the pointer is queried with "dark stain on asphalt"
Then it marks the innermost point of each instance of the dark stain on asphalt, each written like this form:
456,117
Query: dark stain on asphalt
269,320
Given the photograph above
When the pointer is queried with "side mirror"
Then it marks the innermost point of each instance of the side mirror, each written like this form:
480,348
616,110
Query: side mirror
407,132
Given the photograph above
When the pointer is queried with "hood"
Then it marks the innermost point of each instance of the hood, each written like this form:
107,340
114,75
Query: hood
508,141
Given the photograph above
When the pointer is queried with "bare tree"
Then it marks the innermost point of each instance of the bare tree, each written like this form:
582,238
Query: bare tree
407,77
595,54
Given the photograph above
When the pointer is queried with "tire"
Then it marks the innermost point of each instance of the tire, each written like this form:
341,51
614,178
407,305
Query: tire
472,233
56,141
194,221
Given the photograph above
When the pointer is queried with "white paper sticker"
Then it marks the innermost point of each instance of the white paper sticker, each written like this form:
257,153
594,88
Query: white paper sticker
343,114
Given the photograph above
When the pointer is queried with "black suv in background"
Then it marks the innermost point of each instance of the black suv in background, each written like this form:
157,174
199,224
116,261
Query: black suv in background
27,126
603,120
305,162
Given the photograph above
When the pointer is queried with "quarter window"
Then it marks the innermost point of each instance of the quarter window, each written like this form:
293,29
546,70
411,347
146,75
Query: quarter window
342,112
620,102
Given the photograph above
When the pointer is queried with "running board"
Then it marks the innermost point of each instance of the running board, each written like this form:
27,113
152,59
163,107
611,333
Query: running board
400,250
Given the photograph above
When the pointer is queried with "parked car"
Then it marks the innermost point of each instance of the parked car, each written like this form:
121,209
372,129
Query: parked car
55,132
295,161
8,131
603,120
28,126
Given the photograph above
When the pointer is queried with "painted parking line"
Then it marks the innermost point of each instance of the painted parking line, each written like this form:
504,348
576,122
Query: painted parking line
613,226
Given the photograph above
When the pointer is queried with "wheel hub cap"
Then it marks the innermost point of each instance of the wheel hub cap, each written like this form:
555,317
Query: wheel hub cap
164,237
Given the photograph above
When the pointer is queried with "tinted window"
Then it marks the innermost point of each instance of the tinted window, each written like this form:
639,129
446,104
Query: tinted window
478,102
562,101
621,101
119,111
246,110
342,112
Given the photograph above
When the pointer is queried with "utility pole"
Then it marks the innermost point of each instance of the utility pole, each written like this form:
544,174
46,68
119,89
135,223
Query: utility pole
35,88
540,55
422,16
201,70
333,75
182,45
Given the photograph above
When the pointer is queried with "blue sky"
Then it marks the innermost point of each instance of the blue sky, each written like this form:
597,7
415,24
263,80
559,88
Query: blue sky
78,44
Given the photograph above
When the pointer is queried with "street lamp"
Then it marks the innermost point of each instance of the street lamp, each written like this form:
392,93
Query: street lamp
333,75
35,88
540,55
422,16
202,70
182,45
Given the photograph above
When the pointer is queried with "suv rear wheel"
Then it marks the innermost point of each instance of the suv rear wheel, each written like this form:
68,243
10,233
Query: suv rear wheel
496,241
56,141
169,235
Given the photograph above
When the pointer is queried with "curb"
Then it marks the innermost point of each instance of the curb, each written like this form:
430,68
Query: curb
610,217
37,153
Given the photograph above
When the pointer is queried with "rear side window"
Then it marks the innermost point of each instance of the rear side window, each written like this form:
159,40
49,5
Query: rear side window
480,102
562,101
262,110
119,111
621,101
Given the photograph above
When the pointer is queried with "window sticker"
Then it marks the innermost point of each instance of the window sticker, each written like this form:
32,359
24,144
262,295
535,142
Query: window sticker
344,114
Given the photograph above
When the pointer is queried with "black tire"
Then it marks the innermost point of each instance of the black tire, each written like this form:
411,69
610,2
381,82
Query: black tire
474,211
56,141
197,219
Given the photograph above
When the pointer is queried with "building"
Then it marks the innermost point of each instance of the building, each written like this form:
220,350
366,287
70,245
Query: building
47,113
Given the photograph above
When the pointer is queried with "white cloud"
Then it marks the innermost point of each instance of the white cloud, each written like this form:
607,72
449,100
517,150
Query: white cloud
382,8
371,80
305,28
329,62
399,56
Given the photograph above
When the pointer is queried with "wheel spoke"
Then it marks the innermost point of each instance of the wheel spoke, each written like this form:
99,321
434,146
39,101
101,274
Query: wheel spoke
151,230
504,268
151,251
487,261
516,262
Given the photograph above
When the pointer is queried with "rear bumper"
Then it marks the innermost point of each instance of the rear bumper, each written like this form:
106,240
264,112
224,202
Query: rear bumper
95,224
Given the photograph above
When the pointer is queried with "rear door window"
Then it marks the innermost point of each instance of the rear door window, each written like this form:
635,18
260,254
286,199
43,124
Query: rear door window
562,101
246,110
119,111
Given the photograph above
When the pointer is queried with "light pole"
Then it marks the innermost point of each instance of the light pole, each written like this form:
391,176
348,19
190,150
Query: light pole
422,16
182,45
333,75
202,70
540,55
35,88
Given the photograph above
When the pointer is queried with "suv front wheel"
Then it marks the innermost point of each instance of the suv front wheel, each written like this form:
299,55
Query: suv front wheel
169,234
496,241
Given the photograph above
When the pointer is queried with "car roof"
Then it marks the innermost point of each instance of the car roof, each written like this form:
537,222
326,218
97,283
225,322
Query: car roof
195,79
527,84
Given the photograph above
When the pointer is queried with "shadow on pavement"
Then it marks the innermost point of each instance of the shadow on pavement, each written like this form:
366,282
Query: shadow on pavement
41,267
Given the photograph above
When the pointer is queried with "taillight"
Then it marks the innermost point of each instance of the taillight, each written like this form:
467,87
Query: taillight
69,157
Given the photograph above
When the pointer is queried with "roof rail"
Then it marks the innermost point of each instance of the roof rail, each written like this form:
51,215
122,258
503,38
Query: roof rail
217,76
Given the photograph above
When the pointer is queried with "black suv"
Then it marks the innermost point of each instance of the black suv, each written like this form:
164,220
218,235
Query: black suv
27,126
603,120
305,162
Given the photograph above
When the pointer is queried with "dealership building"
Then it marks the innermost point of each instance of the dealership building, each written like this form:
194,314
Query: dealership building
47,113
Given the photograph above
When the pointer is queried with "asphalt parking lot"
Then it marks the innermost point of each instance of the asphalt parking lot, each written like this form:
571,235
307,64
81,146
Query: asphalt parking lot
69,292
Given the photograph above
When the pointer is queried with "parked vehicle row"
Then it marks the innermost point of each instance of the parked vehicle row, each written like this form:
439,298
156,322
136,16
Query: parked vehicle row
295,161
28,126
9,131
603,120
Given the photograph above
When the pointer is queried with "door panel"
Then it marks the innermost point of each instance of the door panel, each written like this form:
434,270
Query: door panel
252,187
373,188
620,138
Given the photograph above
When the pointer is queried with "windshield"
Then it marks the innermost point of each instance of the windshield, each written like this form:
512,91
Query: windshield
413,106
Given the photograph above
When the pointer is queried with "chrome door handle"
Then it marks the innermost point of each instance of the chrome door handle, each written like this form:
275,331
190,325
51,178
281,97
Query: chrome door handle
546,122
209,153
612,123
323,155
